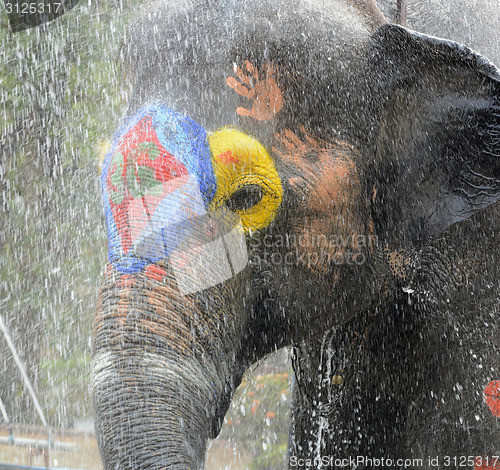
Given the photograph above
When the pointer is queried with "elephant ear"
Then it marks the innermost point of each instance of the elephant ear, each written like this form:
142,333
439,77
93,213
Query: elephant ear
26,15
437,134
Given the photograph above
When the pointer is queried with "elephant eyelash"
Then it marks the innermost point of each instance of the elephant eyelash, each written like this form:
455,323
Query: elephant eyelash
245,197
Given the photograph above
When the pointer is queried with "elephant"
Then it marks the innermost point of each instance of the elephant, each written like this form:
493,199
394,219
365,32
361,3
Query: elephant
471,22
301,174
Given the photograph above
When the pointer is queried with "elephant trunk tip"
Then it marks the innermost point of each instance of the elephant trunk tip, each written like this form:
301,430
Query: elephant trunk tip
169,408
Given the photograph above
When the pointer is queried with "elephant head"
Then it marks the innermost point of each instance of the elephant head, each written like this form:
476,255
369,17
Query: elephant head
273,160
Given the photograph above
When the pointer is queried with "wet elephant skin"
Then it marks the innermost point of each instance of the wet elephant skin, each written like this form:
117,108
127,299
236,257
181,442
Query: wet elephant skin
376,150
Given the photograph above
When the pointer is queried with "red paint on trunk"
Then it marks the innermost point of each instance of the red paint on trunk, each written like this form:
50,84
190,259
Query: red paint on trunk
492,397
155,273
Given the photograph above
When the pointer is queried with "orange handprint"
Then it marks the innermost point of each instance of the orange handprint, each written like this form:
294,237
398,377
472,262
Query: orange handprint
292,147
326,169
295,149
264,93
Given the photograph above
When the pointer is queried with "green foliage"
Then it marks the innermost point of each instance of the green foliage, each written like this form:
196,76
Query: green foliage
61,92
259,419
274,458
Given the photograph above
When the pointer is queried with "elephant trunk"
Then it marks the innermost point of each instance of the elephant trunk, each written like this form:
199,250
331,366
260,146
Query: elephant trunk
155,389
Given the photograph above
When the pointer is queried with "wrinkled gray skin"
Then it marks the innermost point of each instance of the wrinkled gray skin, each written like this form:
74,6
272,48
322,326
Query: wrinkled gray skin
414,338
403,394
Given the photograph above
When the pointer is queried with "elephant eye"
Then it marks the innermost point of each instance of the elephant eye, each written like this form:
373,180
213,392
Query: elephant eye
245,197
247,182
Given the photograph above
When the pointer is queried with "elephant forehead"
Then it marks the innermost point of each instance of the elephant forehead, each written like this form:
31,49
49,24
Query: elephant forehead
156,177
158,185
164,141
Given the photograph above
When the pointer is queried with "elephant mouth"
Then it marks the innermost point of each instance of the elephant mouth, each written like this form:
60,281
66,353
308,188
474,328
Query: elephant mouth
224,401
216,423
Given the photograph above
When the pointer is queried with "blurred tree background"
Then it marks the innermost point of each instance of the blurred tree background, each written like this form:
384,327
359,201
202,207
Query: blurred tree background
62,91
